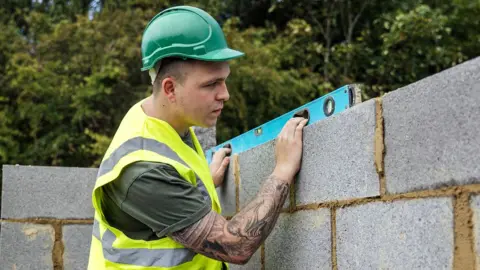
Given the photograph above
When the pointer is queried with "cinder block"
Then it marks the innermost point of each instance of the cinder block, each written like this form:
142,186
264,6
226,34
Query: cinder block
301,240
76,240
475,204
431,131
410,234
206,137
37,191
226,192
338,157
26,246
256,165
255,262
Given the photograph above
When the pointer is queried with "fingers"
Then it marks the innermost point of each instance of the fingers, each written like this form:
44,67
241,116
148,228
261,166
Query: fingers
225,163
289,128
219,172
221,154
295,121
226,151
292,125
299,129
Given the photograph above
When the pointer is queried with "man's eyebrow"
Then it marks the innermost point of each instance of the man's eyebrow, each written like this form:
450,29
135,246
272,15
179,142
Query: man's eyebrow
216,79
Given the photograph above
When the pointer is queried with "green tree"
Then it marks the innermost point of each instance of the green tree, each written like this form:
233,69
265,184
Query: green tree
70,69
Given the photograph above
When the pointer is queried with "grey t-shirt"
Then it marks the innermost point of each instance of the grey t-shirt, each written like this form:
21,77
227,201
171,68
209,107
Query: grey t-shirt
150,200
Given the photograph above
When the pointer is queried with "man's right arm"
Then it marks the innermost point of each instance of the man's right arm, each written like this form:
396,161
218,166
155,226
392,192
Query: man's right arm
235,241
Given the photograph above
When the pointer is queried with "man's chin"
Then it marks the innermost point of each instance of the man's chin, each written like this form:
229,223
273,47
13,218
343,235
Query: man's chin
211,124
207,124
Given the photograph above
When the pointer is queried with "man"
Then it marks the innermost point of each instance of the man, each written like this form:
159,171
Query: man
155,201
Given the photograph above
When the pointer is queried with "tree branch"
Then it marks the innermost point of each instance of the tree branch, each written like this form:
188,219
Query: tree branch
352,25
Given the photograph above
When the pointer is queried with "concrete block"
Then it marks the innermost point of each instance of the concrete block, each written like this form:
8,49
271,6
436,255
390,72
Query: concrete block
256,165
226,192
206,137
410,234
26,246
255,262
475,205
431,131
338,157
301,240
37,191
76,240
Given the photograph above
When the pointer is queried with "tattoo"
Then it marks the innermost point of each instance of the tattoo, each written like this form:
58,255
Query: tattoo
237,240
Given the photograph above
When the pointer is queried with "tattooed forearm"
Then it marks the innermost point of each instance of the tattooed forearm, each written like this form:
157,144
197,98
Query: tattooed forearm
256,220
236,240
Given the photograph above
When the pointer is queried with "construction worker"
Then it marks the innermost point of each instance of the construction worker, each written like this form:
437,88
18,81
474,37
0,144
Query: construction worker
155,201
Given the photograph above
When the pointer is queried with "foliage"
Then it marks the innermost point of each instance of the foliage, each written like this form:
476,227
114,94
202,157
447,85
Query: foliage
70,69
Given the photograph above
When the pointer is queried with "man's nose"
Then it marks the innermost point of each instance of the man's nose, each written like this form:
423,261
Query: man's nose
223,93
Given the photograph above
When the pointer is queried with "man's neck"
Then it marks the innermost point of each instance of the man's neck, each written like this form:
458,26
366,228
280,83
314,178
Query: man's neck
161,112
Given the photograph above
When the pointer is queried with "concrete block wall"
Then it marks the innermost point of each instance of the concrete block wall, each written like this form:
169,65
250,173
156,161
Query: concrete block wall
47,217
206,137
392,183
47,214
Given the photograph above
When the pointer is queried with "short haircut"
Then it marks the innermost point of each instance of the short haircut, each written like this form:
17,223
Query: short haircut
171,66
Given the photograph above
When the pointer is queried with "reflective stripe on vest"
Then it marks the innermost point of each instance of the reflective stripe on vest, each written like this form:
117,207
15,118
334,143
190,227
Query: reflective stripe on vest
141,143
140,256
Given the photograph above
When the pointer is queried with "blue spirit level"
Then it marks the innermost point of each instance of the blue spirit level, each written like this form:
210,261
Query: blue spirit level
316,110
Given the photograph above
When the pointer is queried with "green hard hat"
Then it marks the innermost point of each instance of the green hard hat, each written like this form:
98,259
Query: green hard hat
187,32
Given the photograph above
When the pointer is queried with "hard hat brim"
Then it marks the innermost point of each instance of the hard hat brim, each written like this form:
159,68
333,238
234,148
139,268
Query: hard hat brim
223,54
219,55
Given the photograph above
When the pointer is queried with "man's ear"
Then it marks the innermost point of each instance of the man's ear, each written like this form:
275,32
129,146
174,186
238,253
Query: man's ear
168,88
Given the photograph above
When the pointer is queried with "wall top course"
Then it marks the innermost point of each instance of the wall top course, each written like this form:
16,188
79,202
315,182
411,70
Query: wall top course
431,131
53,192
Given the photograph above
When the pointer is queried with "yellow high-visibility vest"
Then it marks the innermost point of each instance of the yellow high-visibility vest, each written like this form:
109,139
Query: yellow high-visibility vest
143,138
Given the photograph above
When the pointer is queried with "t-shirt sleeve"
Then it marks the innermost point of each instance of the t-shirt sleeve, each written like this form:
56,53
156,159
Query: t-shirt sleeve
164,201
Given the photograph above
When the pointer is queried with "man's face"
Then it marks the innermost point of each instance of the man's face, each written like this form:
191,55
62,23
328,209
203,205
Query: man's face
201,96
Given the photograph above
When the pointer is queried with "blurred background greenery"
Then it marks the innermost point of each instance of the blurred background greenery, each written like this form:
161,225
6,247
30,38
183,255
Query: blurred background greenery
70,69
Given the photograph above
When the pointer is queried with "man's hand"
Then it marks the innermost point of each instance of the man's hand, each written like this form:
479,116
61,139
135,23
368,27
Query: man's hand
219,165
288,149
